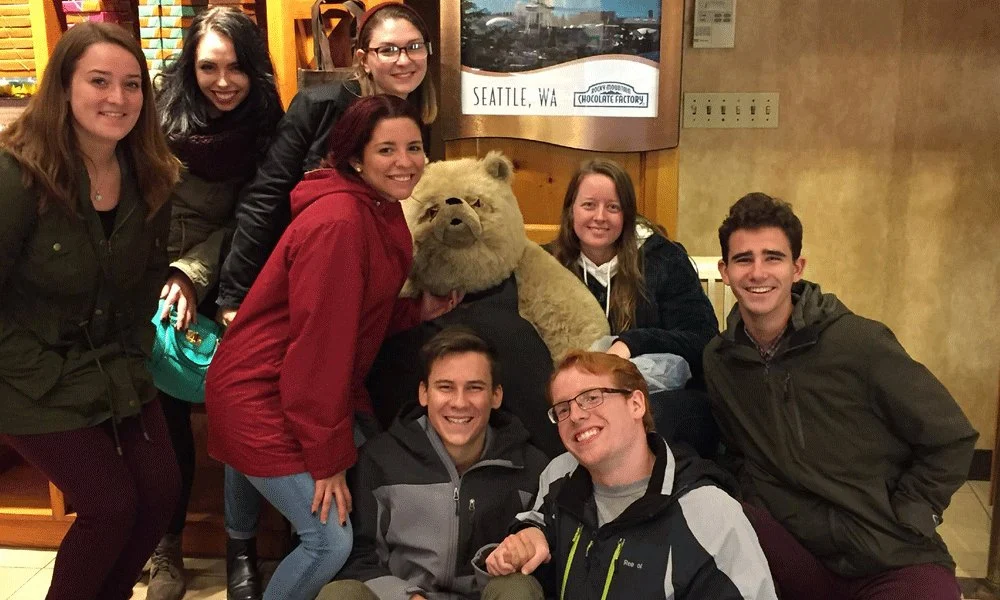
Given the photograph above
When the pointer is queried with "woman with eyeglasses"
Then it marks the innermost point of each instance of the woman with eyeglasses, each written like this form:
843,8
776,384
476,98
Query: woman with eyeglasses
391,58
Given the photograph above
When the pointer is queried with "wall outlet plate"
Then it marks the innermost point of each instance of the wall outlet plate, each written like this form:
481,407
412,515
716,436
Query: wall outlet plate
730,110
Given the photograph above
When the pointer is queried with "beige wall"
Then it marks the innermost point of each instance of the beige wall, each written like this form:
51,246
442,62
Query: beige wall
889,148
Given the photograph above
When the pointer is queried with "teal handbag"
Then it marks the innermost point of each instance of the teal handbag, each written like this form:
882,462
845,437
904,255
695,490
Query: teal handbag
180,359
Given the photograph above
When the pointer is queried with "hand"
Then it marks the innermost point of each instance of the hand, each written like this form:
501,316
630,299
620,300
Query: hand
524,551
620,349
225,316
327,490
180,291
432,307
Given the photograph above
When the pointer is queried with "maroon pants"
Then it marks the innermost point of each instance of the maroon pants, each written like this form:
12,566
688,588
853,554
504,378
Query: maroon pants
123,503
798,575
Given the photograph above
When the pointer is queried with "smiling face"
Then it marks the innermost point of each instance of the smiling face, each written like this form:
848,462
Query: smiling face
605,438
399,77
105,95
597,217
218,72
393,160
760,270
459,395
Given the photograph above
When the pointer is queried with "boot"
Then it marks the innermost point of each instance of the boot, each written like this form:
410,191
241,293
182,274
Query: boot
166,576
242,576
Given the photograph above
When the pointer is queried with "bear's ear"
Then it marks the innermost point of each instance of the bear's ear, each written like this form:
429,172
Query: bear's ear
499,166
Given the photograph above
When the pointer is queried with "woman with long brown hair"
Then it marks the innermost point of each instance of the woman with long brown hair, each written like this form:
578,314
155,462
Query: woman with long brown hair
84,178
646,283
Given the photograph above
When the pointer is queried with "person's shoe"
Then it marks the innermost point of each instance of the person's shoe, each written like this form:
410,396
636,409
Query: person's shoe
242,576
166,576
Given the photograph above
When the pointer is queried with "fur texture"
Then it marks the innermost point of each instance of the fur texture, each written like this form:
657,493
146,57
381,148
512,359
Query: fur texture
468,234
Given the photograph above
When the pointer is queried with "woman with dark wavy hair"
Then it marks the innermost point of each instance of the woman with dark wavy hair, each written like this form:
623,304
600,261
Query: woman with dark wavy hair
84,181
219,109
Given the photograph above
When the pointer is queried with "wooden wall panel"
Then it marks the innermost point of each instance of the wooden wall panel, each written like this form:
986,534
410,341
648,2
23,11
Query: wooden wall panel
542,172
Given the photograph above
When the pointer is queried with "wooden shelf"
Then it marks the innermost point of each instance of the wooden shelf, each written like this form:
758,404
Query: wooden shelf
33,513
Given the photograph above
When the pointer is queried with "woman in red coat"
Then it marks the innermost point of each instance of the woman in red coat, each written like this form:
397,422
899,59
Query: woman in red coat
288,378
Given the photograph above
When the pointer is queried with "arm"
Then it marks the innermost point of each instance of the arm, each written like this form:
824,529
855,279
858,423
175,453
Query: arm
363,564
326,275
921,412
201,264
25,363
263,211
686,319
532,537
736,568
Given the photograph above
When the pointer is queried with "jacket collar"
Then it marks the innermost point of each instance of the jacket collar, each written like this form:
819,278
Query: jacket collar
812,312
577,496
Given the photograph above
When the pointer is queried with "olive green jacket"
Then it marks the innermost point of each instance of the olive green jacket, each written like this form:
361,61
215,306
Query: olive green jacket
73,341
851,444
202,222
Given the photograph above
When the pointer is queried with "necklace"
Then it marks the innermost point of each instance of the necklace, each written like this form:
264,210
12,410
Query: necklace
96,185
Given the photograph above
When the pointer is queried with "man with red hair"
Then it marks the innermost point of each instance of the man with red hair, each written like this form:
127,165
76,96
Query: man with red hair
622,514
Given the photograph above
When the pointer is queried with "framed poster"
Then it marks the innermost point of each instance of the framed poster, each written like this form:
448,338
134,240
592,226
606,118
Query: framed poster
591,74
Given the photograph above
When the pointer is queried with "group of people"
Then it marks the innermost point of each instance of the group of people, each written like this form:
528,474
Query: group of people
839,452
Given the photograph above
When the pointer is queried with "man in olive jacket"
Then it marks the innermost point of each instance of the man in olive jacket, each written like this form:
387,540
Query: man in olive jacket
848,450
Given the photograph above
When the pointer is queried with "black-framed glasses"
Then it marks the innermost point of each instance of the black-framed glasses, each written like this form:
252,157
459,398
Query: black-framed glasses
587,400
391,52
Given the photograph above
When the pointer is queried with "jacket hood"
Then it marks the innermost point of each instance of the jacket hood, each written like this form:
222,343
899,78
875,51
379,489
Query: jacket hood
676,471
323,182
508,433
812,311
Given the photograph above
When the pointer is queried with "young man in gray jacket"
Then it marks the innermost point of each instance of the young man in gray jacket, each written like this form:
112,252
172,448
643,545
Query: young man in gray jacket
445,479
847,450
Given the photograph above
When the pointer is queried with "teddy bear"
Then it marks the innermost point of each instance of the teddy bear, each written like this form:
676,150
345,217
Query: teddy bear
468,234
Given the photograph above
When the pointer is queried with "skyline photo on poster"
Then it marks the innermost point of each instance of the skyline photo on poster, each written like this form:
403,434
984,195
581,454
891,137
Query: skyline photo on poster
509,36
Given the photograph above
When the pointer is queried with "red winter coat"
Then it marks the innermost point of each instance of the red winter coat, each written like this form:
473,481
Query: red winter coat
289,375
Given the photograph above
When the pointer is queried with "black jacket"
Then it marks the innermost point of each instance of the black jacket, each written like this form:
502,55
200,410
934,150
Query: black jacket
263,212
525,363
417,522
677,318
685,539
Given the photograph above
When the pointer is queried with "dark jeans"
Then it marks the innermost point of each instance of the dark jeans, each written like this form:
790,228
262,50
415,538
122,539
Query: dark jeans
122,503
178,416
685,416
798,575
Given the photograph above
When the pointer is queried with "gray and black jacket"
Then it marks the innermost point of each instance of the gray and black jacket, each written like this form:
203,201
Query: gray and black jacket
684,539
417,523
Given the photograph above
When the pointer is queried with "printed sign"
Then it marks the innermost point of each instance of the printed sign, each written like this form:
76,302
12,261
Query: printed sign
597,58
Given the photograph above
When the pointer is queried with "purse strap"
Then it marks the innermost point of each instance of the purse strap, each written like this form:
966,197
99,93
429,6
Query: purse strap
351,11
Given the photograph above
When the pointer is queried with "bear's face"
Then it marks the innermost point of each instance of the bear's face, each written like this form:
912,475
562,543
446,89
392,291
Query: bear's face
468,232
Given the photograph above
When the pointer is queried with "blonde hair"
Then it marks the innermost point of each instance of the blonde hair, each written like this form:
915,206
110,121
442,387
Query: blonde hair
43,140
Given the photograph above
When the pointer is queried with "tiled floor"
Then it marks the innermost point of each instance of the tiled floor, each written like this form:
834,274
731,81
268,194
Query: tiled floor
25,574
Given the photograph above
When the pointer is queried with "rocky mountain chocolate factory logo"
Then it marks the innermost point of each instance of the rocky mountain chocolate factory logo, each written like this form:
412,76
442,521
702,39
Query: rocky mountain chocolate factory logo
611,94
